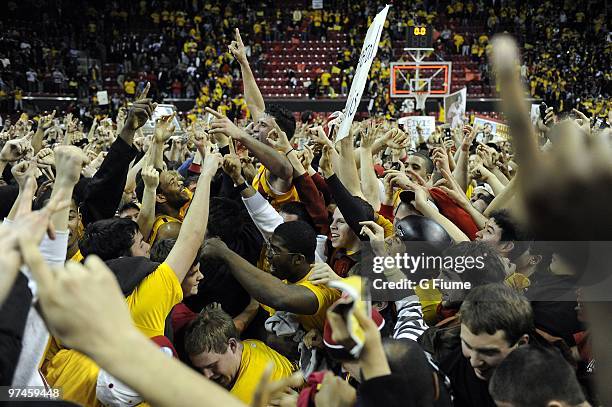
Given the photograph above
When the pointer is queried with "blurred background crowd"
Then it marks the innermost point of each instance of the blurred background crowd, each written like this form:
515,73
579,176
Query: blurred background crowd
60,47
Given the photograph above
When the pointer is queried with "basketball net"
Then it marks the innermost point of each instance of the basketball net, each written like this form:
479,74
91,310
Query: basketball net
420,98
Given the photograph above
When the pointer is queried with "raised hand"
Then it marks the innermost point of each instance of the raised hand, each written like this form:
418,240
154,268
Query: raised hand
369,135
223,125
469,134
22,171
69,162
317,134
141,111
372,230
549,119
232,167
202,143
487,155
17,149
398,139
388,190
325,164
45,122
164,128
211,164
150,177
583,121
237,49
214,248
278,139
45,160
306,156
440,159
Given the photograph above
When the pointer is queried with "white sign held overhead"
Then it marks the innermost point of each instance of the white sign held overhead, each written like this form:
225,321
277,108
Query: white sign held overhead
454,108
426,123
102,97
368,52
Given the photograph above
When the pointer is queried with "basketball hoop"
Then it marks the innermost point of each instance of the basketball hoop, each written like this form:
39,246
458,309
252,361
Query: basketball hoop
420,97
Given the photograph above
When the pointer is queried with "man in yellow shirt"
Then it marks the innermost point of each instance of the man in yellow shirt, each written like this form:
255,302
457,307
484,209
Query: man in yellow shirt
291,254
171,202
215,350
130,87
325,77
275,178
151,289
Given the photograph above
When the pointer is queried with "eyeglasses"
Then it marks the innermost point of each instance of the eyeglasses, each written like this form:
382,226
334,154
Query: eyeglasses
271,251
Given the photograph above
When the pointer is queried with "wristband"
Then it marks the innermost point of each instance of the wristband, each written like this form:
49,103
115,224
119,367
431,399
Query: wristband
287,153
242,187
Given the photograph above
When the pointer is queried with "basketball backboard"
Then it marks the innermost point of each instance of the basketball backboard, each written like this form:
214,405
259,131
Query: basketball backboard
409,79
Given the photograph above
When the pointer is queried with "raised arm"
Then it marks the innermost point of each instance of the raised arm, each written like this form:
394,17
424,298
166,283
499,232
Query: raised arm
265,217
44,122
305,186
427,210
504,197
192,232
130,183
274,161
254,99
262,286
460,173
146,216
163,130
369,181
105,190
352,208
347,169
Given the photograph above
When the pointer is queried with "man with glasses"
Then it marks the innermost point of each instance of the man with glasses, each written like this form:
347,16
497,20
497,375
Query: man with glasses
291,254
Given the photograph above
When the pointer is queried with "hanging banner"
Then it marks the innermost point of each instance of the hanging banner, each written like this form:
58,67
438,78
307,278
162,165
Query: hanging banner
368,52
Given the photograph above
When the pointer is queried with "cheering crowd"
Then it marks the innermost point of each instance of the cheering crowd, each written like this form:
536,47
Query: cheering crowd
211,263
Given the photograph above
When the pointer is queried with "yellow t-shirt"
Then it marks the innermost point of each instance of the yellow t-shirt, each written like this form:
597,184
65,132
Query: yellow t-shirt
149,305
261,184
78,257
130,87
255,357
429,299
153,299
159,221
326,297
325,78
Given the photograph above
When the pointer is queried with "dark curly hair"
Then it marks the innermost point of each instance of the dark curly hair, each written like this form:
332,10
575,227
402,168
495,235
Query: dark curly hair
284,118
109,238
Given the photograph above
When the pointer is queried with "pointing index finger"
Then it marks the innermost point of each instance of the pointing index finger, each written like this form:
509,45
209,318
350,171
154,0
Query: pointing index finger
145,91
214,113
238,37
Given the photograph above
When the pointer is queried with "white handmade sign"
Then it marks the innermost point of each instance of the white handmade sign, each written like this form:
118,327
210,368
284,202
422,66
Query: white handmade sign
368,52
426,123
102,97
